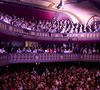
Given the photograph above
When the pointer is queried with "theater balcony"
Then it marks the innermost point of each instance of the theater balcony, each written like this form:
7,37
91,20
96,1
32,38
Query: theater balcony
10,32
15,58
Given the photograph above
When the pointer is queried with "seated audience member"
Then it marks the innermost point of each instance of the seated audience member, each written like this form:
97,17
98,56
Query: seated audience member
89,51
35,50
54,50
68,51
94,50
85,51
40,50
28,50
65,51
19,50
23,50
2,50
46,50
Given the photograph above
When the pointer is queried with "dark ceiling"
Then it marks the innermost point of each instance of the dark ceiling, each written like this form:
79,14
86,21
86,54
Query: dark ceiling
96,3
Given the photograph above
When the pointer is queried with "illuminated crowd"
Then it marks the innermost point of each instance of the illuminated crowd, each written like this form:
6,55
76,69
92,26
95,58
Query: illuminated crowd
51,26
50,78
68,48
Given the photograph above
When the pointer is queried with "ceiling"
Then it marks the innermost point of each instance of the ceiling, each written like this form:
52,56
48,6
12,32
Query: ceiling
96,3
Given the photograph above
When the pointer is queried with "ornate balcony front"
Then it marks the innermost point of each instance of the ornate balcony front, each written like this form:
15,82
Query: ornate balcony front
20,33
15,58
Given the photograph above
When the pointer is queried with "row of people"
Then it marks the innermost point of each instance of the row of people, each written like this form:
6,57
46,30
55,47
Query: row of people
63,48
51,26
50,78
59,50
56,48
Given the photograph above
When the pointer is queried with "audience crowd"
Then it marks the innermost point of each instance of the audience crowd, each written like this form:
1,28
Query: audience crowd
56,48
51,78
65,48
50,26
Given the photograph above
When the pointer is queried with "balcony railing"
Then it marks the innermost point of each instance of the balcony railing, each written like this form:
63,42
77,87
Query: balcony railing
15,58
19,32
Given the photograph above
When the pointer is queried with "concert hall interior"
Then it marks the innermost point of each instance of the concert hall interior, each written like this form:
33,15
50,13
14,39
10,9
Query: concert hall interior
49,44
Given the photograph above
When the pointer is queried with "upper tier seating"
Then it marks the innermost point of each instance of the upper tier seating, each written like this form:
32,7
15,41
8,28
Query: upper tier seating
51,26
